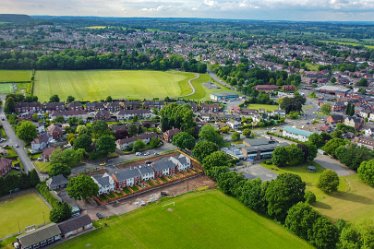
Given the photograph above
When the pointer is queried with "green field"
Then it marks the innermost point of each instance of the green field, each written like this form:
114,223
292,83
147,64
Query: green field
353,202
203,93
6,88
269,108
21,211
15,75
98,84
204,220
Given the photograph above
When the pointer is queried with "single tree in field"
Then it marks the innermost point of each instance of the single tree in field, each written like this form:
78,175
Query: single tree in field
82,187
328,181
366,172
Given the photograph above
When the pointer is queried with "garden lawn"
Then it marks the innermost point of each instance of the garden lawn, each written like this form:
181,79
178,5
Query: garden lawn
20,211
269,108
207,220
99,84
42,167
353,202
15,75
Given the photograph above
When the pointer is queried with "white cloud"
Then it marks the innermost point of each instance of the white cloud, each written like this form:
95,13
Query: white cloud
253,9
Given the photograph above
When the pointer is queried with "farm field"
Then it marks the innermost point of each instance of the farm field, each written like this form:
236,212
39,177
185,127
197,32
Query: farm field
22,210
353,202
15,75
268,108
99,84
206,220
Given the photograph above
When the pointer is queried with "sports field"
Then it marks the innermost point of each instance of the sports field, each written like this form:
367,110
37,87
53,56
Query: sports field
99,84
15,75
207,220
21,211
353,202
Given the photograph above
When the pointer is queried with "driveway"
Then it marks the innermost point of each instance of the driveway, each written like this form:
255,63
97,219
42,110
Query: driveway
330,163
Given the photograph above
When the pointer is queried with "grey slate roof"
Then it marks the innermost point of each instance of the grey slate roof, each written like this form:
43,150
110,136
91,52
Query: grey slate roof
56,181
39,235
102,180
182,159
127,174
162,164
262,148
145,169
74,224
257,141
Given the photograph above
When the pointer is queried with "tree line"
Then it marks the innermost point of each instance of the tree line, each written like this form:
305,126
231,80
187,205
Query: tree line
72,59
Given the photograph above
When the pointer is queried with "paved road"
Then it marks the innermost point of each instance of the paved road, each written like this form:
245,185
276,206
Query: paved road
216,78
330,163
14,140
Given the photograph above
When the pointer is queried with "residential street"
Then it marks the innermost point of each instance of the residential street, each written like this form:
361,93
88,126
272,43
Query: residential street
13,140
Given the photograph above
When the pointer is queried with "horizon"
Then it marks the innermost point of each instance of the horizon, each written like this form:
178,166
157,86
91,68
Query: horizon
287,10
191,18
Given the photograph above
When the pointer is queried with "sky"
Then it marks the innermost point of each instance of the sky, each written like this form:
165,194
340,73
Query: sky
308,10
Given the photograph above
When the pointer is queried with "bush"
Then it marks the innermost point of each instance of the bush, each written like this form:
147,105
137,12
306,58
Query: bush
366,172
328,181
310,197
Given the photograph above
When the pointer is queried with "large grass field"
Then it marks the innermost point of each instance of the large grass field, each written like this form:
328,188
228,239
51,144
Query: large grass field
99,84
15,75
21,211
207,220
353,202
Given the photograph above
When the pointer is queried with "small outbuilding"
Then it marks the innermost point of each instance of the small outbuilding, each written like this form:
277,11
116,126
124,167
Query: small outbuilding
75,226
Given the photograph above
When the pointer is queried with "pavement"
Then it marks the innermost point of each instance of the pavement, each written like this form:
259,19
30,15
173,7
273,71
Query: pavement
330,163
256,171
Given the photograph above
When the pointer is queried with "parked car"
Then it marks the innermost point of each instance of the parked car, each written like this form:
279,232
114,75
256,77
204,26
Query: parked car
146,154
100,216
156,154
138,154
102,164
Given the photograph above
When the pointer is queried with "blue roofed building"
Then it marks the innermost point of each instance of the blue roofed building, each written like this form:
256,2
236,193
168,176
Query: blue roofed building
298,134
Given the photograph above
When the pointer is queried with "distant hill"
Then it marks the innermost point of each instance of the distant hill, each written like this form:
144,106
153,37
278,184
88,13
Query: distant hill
15,18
